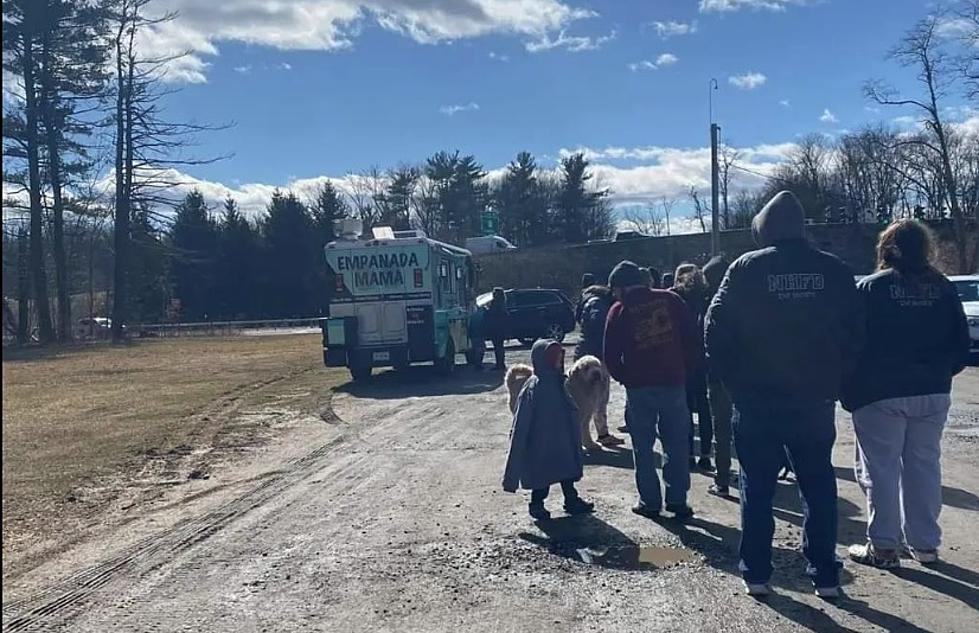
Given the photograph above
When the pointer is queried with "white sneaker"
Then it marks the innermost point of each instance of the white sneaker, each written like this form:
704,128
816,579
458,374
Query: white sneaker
925,556
757,589
828,593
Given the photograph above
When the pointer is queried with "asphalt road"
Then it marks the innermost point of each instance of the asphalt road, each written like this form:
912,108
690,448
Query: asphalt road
390,517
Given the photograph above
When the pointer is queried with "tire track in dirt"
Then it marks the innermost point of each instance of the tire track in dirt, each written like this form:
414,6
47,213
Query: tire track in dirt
87,589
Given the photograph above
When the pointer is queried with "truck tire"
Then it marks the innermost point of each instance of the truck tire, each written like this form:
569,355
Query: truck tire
446,365
362,373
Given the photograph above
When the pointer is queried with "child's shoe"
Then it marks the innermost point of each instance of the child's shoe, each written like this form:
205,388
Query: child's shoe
578,505
539,512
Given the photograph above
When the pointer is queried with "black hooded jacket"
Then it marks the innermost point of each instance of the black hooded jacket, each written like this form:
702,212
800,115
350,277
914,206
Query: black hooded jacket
917,338
786,325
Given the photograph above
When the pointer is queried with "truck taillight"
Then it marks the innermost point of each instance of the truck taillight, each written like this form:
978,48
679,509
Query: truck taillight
339,281
419,281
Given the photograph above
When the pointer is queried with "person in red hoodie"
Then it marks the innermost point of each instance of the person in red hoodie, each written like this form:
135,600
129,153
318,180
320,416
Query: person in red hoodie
651,347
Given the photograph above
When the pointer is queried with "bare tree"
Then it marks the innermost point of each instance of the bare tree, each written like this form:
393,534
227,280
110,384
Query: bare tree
921,49
728,158
667,204
646,220
366,196
149,149
700,208
745,207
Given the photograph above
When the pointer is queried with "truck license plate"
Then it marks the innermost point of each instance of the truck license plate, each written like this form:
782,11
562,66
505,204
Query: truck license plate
381,356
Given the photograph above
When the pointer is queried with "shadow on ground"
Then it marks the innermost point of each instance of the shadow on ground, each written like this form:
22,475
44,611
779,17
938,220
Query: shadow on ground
951,496
423,381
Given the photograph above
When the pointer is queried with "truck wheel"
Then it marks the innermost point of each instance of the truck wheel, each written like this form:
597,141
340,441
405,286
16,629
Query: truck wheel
361,374
445,365
556,332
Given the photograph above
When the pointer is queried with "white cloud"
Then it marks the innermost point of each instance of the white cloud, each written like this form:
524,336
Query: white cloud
671,29
244,70
954,28
671,171
572,43
872,109
329,25
285,66
719,6
785,103
499,56
828,117
644,64
666,59
747,81
451,110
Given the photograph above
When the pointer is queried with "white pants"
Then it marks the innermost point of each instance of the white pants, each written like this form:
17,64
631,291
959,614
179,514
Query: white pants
898,465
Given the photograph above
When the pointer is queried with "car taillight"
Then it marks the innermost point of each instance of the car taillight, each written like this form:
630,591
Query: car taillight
419,281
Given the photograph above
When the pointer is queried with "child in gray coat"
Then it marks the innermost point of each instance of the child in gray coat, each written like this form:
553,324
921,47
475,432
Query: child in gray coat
545,441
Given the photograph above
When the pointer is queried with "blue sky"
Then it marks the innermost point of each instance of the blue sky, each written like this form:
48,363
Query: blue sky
327,87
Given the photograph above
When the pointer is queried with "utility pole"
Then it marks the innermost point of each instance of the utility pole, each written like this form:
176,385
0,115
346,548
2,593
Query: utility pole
715,225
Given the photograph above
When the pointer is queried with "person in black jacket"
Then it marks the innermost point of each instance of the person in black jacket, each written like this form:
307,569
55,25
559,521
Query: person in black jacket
495,326
720,402
918,339
782,332
689,283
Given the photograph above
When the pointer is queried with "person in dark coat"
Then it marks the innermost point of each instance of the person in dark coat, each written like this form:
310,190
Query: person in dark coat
545,440
717,396
587,281
477,338
918,340
783,334
597,301
688,282
496,326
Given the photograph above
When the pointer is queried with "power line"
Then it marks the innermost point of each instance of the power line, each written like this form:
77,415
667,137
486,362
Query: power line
749,171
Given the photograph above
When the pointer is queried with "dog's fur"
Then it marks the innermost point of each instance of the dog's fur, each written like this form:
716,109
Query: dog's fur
516,377
587,383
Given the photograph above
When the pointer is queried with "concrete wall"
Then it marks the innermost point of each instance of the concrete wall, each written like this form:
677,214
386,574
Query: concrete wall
562,266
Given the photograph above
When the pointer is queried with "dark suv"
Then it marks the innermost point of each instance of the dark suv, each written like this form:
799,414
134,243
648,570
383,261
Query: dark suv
535,313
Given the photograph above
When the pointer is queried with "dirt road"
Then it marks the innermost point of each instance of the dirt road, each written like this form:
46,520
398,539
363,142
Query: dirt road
390,518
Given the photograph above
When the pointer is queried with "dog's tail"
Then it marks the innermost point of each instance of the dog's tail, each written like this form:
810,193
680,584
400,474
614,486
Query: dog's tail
516,377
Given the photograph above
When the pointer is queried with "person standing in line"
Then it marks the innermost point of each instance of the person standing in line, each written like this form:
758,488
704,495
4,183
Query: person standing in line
596,302
656,278
587,281
477,338
495,322
688,282
918,339
717,395
651,341
545,440
783,332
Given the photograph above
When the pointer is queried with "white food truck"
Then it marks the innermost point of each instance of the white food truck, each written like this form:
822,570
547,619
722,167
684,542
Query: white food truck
399,298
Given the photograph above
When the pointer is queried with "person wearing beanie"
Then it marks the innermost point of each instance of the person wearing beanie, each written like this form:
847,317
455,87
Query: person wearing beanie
651,346
783,332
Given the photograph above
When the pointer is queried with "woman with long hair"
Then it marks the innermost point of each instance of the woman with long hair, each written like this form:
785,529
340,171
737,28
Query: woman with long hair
899,394
689,283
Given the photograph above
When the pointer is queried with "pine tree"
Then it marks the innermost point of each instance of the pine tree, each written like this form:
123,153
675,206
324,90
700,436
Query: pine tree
290,258
148,274
239,252
193,239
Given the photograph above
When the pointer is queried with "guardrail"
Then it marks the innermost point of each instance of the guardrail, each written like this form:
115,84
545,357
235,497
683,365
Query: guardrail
215,328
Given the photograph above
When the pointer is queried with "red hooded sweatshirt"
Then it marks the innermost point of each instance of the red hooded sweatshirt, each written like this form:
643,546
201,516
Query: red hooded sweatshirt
651,339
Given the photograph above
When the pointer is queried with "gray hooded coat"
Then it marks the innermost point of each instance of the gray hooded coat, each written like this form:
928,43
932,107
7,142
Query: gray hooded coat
545,441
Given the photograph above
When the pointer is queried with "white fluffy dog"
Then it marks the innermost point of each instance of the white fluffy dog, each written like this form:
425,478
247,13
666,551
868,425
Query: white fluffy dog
587,383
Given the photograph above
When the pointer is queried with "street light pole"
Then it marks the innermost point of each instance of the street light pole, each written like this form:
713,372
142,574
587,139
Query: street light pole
715,225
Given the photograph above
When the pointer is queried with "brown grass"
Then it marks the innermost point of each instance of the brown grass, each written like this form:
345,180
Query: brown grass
77,415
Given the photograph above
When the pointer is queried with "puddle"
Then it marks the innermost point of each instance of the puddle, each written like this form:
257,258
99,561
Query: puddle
646,557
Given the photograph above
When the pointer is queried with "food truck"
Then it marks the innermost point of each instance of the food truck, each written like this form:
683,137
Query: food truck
399,298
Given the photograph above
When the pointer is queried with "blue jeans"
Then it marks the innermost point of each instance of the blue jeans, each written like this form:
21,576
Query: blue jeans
763,432
663,410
